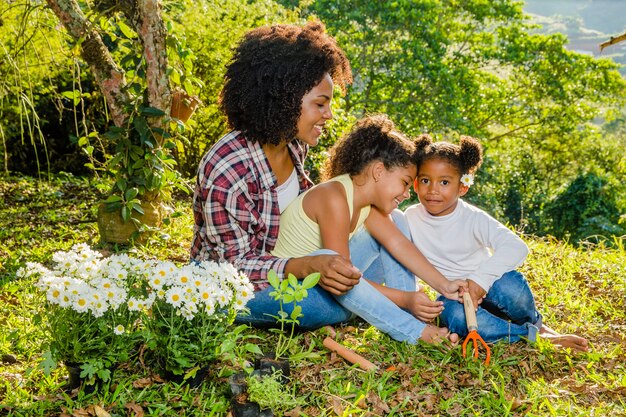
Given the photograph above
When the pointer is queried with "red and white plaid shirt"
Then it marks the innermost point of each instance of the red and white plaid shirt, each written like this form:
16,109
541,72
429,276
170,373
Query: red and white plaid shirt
235,206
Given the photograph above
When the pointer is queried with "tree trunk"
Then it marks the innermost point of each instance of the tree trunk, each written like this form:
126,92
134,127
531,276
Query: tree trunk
145,17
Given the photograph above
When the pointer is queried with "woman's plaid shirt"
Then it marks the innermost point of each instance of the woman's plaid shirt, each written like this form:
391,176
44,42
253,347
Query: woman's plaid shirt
235,206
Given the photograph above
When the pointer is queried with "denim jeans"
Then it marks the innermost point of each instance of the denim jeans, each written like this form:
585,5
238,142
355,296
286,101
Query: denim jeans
321,308
507,313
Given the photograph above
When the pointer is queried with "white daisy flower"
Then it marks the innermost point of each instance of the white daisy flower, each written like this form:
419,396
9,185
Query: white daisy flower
467,179
119,329
175,296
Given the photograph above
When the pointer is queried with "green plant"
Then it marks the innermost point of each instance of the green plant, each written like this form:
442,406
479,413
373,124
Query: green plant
190,310
289,291
269,392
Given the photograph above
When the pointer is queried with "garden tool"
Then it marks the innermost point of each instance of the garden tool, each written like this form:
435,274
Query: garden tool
472,327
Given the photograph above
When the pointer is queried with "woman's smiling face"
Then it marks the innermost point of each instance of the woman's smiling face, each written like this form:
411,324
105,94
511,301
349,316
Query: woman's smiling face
315,111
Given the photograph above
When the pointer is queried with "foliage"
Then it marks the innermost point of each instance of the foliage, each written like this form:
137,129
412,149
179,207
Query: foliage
38,130
479,68
574,288
289,291
269,392
587,207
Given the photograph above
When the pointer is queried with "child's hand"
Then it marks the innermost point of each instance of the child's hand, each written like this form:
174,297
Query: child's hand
422,307
476,292
453,290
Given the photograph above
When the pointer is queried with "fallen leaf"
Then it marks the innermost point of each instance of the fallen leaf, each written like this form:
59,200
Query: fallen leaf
100,412
135,408
81,412
143,382
379,406
296,412
337,408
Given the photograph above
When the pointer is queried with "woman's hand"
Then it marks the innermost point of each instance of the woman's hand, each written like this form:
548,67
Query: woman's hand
337,274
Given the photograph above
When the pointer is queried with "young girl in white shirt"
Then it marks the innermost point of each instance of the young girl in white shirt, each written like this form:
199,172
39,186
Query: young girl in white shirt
464,242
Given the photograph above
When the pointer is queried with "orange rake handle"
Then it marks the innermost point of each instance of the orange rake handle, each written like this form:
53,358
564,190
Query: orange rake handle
472,327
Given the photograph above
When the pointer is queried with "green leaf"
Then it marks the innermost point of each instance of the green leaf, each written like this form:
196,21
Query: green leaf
73,95
126,30
131,193
138,208
272,278
125,213
121,185
297,312
311,280
152,112
192,372
113,199
48,364
227,346
293,281
252,348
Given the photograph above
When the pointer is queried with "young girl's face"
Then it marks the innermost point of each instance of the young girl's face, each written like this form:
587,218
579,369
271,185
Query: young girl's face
315,111
438,186
393,187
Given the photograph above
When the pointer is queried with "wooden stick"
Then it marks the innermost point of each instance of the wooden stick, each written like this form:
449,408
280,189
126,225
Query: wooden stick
612,41
349,355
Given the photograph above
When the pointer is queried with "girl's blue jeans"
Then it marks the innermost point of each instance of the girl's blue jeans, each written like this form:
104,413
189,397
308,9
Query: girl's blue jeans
321,308
507,313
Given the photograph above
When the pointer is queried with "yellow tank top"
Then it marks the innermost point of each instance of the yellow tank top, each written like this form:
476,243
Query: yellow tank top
298,235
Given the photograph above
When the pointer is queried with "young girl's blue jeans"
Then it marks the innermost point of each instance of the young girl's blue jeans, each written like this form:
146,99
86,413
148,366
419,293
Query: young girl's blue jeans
321,308
507,313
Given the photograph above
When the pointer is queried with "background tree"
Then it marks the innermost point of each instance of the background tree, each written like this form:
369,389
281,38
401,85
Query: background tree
478,68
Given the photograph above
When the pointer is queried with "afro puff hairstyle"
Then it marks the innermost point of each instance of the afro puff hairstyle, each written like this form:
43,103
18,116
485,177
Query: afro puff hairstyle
466,157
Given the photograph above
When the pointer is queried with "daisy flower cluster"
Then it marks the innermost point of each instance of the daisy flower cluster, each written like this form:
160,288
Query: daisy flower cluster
83,280
207,287
86,282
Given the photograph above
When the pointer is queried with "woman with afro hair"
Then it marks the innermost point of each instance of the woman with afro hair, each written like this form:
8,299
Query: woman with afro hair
277,98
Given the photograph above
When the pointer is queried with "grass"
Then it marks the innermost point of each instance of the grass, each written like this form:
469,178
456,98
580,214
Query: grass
578,291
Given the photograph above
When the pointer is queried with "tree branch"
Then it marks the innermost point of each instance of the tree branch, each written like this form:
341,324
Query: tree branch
612,41
108,75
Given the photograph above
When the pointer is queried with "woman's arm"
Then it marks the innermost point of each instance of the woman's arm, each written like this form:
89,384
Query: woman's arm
384,230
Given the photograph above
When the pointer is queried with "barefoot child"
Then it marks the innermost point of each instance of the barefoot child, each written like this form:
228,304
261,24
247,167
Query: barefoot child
464,242
370,172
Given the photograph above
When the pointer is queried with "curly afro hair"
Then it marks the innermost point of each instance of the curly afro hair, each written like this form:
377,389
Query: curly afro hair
273,67
373,138
466,157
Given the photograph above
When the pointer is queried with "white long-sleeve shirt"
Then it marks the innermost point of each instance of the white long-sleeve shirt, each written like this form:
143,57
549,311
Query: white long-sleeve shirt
466,244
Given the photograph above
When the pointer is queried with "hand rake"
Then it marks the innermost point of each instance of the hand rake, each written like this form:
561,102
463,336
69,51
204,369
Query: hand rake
472,327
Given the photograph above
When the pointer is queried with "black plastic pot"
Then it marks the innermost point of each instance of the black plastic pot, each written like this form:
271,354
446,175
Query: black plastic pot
269,364
238,384
76,381
248,409
193,382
